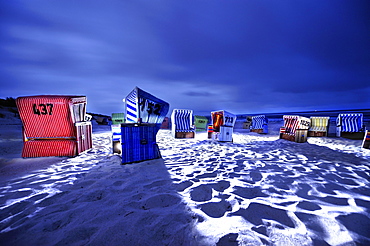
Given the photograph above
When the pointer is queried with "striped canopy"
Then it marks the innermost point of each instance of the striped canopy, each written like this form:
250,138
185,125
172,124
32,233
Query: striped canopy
182,120
319,124
294,122
51,116
350,122
144,107
258,121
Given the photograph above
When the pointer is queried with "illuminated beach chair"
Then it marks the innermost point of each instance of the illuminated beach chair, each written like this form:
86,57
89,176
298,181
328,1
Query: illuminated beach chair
259,124
350,126
54,125
223,125
366,141
182,126
295,128
200,123
319,127
144,116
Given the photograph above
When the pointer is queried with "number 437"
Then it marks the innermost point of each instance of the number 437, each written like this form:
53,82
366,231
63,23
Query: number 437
43,109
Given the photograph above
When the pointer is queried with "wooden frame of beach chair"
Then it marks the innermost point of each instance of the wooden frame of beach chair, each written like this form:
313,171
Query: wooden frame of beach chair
295,128
182,123
319,126
350,126
54,125
222,125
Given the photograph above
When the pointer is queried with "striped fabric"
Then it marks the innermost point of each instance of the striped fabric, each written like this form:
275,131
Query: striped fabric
40,114
139,142
319,124
294,122
350,122
182,120
258,122
54,125
143,107
132,113
41,148
116,132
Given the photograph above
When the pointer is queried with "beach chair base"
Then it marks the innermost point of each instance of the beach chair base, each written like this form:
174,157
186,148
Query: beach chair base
287,137
353,135
184,134
299,137
257,130
260,131
317,134
45,148
139,142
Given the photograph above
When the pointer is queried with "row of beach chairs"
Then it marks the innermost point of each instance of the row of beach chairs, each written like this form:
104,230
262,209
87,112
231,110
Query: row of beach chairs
59,126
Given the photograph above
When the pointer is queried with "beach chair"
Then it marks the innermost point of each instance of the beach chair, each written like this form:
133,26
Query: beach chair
200,123
118,118
295,128
54,125
182,126
144,115
247,123
223,125
259,124
366,141
350,126
319,126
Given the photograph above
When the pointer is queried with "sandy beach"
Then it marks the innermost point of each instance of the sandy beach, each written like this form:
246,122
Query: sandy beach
257,190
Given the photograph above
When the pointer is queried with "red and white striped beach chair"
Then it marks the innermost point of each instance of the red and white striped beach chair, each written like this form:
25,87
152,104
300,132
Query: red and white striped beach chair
54,125
295,128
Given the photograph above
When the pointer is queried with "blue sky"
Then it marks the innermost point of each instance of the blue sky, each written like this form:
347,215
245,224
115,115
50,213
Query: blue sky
243,56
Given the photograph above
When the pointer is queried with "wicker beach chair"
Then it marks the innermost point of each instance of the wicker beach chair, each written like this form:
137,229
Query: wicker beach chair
182,126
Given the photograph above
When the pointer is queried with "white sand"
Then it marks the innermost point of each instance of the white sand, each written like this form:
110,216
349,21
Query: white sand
258,190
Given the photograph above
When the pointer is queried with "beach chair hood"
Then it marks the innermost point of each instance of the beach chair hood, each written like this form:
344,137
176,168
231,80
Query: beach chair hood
39,115
143,107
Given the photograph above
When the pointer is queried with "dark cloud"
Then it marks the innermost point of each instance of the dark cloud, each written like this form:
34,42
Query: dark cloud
241,56
198,93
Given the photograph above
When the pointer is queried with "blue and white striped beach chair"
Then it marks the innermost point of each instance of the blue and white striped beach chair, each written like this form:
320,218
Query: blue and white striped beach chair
142,107
259,124
144,116
182,126
350,126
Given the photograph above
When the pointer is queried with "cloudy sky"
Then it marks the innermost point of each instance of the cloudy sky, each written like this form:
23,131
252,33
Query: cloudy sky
244,56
